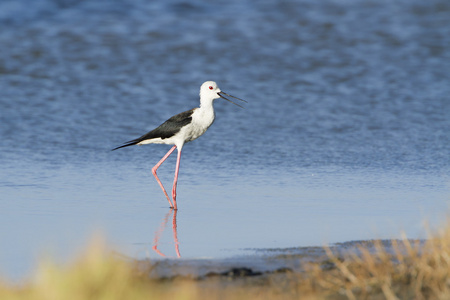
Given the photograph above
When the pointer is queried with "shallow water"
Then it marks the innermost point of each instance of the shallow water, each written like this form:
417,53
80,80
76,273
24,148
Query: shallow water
345,136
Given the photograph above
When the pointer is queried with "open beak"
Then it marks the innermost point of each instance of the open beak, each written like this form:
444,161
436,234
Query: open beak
221,94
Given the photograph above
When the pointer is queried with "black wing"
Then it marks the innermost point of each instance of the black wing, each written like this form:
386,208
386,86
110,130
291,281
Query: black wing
166,130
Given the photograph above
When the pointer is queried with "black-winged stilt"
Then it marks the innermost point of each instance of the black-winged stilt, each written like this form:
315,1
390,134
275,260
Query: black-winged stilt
183,128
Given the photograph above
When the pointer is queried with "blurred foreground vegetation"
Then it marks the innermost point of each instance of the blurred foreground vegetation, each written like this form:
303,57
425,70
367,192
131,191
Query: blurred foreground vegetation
407,270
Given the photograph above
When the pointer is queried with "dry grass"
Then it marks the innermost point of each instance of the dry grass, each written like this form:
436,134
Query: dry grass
406,270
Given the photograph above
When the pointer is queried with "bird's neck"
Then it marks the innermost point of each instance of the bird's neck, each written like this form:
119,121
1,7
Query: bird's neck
206,105
206,112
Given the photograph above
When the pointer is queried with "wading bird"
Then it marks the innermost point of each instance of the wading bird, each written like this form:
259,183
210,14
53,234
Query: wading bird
182,128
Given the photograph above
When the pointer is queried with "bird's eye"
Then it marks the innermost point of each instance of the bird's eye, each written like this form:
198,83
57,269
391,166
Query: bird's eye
210,87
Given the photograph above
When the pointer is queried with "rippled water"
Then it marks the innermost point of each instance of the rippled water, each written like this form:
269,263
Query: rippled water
345,136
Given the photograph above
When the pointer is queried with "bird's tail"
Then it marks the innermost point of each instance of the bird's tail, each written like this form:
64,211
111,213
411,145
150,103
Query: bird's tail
130,143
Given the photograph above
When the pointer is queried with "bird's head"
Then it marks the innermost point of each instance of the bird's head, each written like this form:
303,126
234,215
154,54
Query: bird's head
210,91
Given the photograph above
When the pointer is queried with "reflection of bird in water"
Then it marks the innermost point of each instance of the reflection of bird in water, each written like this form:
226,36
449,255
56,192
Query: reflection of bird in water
161,230
182,128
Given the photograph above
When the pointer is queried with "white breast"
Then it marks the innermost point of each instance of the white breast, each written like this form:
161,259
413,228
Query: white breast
202,118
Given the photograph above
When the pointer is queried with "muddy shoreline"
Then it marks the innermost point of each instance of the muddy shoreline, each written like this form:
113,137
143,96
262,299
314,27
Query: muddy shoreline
263,263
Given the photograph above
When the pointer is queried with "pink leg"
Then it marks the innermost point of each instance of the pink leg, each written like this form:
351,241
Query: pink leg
175,180
156,176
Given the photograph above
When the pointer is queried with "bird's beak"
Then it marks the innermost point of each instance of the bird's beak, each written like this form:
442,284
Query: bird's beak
221,95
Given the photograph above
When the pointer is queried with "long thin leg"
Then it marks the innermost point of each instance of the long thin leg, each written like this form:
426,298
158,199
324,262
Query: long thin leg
175,180
156,176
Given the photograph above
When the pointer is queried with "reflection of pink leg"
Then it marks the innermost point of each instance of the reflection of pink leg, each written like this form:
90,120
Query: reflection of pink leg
175,235
156,176
175,180
159,232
